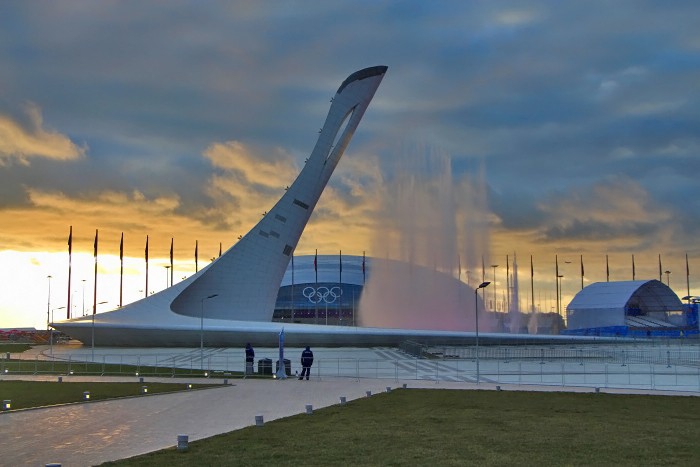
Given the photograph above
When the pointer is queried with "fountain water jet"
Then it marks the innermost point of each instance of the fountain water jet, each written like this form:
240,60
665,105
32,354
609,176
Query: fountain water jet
420,210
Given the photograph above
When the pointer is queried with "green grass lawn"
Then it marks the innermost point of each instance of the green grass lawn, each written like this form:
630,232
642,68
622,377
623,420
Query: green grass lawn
446,427
25,394
62,367
14,348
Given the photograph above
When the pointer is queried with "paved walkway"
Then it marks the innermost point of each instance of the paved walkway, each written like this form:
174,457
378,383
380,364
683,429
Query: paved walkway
92,433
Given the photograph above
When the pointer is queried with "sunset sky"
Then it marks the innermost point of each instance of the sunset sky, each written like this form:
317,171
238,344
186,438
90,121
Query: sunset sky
580,122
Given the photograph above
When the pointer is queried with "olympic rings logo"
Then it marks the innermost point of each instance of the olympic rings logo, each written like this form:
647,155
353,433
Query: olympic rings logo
322,294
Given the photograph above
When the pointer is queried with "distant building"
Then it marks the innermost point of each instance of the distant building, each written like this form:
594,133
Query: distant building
630,308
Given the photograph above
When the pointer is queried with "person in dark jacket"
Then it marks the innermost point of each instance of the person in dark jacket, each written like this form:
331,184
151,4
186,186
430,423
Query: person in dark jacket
307,359
249,359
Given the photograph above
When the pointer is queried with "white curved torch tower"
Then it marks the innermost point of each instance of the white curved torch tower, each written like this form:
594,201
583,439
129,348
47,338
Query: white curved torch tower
242,284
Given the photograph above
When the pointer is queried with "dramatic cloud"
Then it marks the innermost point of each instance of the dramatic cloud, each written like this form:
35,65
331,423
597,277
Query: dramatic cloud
573,126
21,143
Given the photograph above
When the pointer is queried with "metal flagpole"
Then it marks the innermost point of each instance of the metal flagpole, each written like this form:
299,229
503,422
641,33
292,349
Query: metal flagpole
581,272
70,256
121,270
556,281
94,302
292,286
172,265
507,284
687,276
316,290
634,272
146,252
532,283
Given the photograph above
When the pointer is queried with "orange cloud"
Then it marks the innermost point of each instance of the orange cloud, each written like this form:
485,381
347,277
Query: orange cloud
21,143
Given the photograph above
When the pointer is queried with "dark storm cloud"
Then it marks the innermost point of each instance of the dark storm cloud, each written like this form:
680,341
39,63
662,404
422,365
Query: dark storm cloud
553,96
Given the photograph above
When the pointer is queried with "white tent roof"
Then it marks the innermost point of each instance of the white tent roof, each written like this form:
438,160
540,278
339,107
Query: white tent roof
648,295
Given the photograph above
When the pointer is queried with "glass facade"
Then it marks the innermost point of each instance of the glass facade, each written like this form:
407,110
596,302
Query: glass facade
322,303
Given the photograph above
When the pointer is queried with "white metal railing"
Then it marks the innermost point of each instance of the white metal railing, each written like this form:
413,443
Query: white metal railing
573,370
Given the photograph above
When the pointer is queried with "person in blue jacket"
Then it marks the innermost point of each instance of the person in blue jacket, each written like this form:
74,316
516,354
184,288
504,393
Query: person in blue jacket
307,359
249,358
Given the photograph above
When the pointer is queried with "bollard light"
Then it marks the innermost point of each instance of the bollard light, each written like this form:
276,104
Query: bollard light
405,385
71,372
206,374
498,388
597,390
144,389
141,379
189,386
309,409
388,389
6,404
6,370
368,393
182,443
225,382
259,420
60,379
343,400
86,395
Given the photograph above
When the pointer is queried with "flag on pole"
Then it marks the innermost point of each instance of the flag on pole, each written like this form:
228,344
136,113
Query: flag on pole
634,272
219,249
660,269
581,272
121,270
556,281
532,284
196,254
364,274
607,269
94,295
146,254
70,255
508,282
340,259
172,264
687,276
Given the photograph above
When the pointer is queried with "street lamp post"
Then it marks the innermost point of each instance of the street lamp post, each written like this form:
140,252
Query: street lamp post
48,305
201,331
668,278
476,314
167,272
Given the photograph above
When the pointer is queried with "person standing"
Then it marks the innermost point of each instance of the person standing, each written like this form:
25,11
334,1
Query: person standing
307,359
249,359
